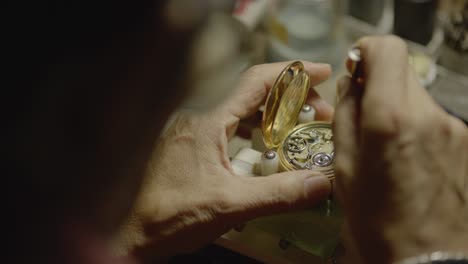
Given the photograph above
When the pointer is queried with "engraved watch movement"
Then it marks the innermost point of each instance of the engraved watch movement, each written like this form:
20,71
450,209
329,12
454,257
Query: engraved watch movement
304,146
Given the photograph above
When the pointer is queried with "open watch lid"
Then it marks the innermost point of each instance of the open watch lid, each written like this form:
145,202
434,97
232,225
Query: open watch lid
284,103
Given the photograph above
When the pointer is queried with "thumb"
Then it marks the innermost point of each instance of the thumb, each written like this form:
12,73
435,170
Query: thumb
281,192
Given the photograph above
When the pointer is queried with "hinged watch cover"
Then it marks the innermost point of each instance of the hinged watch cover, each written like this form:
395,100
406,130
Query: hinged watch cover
284,103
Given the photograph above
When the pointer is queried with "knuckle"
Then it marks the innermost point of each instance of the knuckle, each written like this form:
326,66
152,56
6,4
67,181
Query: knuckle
282,194
445,127
459,127
254,70
395,43
387,40
398,47
463,130
454,127
222,202
374,45
385,122
449,127
464,141
367,41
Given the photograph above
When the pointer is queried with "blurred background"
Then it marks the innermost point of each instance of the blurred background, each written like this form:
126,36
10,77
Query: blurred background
260,31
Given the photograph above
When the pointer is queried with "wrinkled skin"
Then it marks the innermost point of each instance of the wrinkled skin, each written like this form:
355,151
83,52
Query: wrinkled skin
191,196
401,161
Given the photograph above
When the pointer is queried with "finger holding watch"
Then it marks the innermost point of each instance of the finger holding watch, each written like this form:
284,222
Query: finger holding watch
401,161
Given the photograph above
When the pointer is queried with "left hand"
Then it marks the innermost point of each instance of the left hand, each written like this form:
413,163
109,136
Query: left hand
191,195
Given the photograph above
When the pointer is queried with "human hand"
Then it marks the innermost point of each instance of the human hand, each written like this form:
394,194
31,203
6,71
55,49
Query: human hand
401,161
191,195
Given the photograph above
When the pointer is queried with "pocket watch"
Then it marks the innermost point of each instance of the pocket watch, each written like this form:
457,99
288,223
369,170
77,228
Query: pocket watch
298,143
299,146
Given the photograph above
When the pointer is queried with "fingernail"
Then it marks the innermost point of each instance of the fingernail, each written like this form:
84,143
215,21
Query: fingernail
317,187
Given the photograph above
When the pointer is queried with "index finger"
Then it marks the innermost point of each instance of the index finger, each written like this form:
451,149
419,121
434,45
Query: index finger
385,63
258,80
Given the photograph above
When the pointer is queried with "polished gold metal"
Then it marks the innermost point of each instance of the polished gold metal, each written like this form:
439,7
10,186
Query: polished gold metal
306,146
309,147
284,103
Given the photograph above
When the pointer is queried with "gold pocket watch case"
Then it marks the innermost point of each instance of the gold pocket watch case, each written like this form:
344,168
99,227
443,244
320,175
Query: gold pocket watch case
304,146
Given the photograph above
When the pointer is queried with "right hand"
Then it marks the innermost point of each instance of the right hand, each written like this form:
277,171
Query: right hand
401,161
